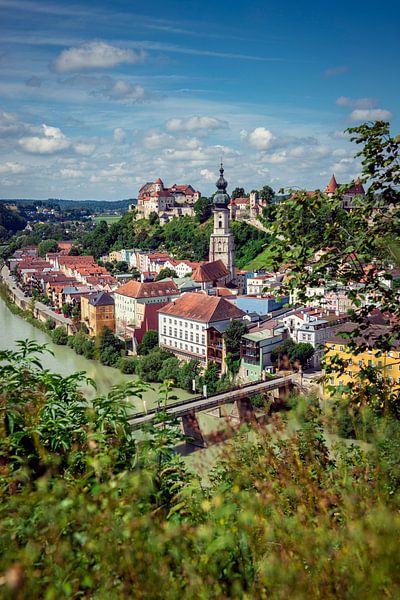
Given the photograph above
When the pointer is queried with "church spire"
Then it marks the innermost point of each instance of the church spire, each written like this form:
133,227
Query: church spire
221,198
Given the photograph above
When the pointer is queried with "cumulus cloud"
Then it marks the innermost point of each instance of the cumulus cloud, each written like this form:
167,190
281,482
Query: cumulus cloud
207,175
34,82
261,138
95,55
119,135
196,123
123,90
374,114
48,141
85,149
12,167
356,102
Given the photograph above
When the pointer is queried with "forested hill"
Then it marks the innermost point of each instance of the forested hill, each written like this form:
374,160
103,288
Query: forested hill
95,205
11,221
184,237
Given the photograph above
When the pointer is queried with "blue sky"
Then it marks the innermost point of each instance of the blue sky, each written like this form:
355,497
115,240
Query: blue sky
96,98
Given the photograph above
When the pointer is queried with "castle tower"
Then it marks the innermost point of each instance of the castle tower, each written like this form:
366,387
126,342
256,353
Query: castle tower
222,244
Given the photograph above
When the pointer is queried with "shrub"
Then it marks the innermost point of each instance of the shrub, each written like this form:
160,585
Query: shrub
127,364
60,336
149,341
50,324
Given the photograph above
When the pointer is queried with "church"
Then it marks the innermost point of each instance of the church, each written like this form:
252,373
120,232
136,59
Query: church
222,243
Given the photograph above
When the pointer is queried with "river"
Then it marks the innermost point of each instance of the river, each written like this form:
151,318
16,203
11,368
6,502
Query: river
65,361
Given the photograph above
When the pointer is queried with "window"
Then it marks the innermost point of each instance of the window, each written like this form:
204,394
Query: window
341,348
390,367
391,354
360,363
370,363
350,373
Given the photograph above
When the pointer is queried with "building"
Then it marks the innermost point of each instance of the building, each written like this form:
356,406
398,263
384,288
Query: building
256,348
184,322
209,275
131,298
261,306
176,201
222,244
97,312
387,363
350,196
312,326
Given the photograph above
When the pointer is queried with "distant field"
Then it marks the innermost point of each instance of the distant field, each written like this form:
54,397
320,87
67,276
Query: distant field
107,218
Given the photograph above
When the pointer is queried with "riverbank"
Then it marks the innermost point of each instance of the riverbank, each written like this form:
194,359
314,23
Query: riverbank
65,361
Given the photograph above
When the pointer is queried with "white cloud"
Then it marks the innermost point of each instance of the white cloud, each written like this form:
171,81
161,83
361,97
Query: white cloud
261,138
95,55
74,173
12,167
196,123
121,90
119,135
356,102
84,149
374,114
207,175
49,141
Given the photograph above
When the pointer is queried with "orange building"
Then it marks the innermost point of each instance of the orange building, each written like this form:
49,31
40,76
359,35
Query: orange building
98,312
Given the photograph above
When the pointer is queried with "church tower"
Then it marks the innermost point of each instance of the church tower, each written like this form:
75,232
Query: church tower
222,245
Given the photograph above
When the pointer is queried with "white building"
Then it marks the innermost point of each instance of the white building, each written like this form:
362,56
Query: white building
130,298
182,324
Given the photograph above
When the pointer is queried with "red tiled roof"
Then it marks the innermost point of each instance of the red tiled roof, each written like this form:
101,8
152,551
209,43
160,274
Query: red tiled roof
332,185
211,271
152,289
200,307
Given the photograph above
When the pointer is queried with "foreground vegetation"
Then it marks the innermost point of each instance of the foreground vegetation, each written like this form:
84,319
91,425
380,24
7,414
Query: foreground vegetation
89,511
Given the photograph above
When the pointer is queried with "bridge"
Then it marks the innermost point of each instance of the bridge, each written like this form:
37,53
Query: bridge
240,397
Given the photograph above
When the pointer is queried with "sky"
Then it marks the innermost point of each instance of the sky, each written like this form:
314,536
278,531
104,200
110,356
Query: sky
96,98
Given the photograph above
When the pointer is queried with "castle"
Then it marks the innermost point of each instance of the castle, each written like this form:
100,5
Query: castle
176,201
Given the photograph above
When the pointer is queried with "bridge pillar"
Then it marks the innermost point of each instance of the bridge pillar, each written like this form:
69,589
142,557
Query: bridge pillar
191,429
243,410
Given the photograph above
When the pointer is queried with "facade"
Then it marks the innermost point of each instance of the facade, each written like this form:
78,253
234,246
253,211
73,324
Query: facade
256,348
131,297
97,312
388,363
350,197
184,322
222,244
167,203
260,306
313,327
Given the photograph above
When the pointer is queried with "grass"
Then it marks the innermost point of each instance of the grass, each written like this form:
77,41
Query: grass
107,218
262,261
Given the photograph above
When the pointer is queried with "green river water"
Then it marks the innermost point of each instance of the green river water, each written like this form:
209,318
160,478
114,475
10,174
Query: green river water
65,361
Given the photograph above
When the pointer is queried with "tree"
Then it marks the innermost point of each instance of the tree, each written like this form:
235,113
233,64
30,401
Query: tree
109,347
202,209
149,367
47,246
60,336
302,353
187,372
211,377
153,218
238,192
121,266
170,370
166,272
267,193
323,241
149,341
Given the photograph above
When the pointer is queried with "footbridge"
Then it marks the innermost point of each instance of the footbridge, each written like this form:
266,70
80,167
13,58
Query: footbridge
240,397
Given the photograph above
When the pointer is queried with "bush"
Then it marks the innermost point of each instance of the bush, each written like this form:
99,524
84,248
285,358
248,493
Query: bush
150,365
170,370
127,364
60,336
88,348
149,341
187,373
50,324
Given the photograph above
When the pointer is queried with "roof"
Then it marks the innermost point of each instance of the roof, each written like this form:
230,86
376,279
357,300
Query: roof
368,337
332,185
101,299
200,307
211,271
151,289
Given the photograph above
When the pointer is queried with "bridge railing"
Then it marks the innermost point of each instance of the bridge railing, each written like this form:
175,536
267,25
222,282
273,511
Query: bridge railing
156,409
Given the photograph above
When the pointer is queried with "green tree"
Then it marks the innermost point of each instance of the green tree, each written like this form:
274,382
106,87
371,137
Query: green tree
302,353
267,193
238,192
108,347
202,209
166,272
188,372
47,246
154,218
150,365
232,337
148,343
60,336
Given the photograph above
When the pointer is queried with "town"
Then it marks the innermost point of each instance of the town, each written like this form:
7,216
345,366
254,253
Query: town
188,308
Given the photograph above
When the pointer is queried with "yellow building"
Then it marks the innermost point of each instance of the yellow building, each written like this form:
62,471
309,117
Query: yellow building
387,363
115,256
98,312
